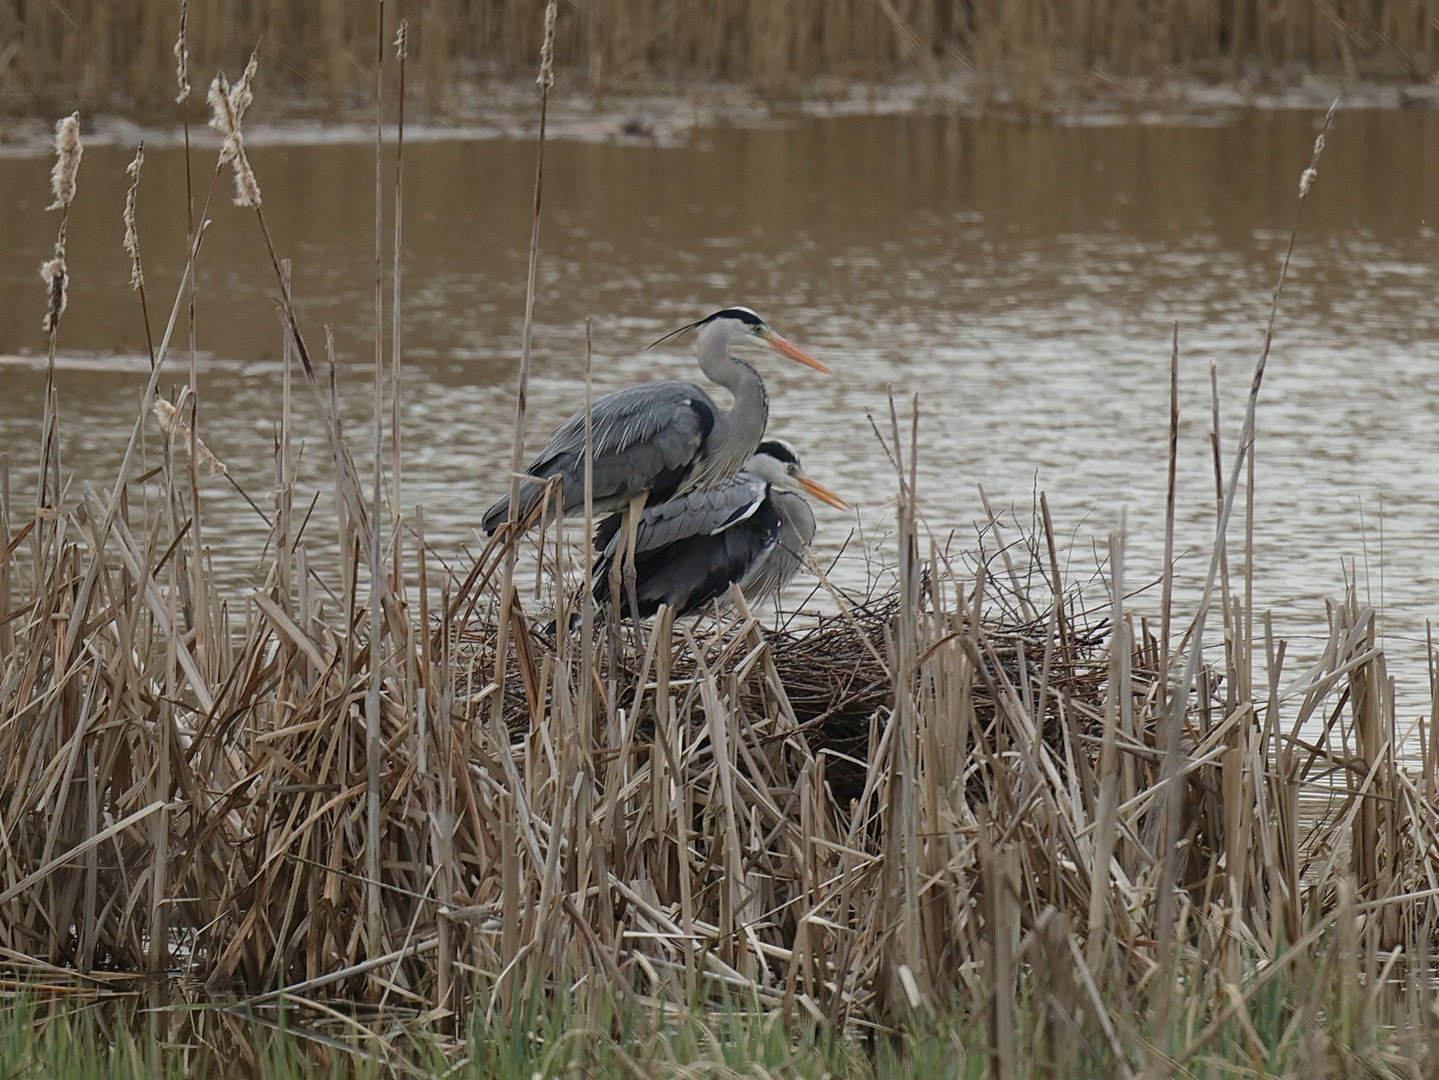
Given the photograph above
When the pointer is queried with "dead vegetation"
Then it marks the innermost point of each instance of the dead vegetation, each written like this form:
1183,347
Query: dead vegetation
104,57
986,792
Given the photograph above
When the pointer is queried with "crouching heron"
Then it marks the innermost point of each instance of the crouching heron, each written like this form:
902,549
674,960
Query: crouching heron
751,532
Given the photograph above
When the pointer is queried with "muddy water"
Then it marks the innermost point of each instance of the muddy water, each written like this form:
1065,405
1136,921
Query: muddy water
1022,280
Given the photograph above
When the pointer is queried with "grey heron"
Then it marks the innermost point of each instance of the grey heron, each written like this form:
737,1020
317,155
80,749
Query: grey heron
752,531
660,439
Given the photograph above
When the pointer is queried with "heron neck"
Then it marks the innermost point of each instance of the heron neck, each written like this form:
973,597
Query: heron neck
737,430
797,515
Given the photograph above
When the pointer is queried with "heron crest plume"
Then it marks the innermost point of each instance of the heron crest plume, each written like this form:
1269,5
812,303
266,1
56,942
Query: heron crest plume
748,316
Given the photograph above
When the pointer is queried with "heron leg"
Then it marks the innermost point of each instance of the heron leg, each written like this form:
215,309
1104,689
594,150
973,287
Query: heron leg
631,532
615,571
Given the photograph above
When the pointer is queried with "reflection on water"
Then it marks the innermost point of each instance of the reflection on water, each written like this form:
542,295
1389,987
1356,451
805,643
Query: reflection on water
1022,280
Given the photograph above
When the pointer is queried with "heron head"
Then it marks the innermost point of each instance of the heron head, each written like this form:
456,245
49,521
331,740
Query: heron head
737,325
776,463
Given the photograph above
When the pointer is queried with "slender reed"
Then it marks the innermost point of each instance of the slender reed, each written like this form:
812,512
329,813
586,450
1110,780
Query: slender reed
181,53
1246,435
55,275
1173,802
373,909
507,589
402,52
586,599
132,244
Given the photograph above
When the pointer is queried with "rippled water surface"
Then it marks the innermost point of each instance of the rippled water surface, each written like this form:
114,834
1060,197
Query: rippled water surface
1022,280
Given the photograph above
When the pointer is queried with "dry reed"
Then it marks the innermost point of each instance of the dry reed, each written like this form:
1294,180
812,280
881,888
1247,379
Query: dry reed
916,807
105,57
132,238
63,178
228,104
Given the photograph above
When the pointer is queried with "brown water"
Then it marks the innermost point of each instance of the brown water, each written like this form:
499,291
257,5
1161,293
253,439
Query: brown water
1021,279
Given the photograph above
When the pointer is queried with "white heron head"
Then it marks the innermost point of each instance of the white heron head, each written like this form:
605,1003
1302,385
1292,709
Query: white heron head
777,464
737,325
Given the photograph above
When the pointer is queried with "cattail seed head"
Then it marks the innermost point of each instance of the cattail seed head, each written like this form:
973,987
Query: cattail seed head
247,188
547,50
1311,174
67,161
179,431
222,113
132,239
57,282
166,414
227,105
402,40
182,57
240,93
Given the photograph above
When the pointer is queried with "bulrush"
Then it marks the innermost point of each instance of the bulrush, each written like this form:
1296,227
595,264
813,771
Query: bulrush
56,278
228,104
132,239
68,151
546,77
63,177
182,57
179,432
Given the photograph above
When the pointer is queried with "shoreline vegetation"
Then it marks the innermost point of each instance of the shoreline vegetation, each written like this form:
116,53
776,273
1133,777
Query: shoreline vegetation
666,116
1027,56
985,821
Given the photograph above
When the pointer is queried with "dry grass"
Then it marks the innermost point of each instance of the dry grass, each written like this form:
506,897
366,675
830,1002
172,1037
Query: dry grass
989,800
103,56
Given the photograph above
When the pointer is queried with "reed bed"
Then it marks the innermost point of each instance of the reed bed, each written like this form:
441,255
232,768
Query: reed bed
989,813
102,56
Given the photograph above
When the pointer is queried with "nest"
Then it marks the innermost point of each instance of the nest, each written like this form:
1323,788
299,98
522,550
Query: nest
836,674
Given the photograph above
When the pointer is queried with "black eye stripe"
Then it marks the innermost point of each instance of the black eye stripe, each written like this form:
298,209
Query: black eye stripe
744,315
779,450
740,314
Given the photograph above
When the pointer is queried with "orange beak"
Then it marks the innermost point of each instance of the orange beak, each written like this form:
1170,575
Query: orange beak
784,348
823,494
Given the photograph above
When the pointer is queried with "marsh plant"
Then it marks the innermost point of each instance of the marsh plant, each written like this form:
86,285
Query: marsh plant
984,820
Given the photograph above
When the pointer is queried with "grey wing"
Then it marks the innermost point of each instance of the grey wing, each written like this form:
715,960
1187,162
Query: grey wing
646,437
671,418
697,513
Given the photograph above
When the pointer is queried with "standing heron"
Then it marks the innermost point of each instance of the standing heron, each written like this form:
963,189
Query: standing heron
660,439
752,531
